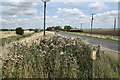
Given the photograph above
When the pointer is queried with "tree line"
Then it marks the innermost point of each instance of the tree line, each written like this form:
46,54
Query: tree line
65,28
20,30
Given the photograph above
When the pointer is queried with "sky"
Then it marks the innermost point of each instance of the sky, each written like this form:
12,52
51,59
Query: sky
21,13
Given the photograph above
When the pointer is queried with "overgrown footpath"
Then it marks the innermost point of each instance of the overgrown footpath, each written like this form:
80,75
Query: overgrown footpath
7,40
57,57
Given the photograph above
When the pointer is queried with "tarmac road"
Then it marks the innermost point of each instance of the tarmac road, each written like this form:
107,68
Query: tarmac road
109,44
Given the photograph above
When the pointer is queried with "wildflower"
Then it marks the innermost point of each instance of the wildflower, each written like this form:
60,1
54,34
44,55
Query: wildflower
74,42
61,53
4,67
15,56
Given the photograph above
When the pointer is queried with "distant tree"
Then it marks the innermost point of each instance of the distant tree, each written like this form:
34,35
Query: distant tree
54,28
58,28
4,29
36,30
49,28
31,29
19,31
67,28
12,29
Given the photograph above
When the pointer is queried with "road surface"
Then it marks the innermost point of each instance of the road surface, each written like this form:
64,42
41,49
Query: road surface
112,45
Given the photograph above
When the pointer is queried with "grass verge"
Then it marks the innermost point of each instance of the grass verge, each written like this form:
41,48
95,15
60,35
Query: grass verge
7,40
106,64
113,38
58,57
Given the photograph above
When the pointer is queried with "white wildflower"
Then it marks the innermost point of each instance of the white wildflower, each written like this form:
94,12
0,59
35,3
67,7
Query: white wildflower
61,53
74,43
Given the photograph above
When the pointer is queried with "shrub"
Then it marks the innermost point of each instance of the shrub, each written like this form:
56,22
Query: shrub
36,30
19,31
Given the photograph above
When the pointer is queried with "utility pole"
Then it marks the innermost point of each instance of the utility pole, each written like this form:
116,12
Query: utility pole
81,26
91,24
114,24
45,1
44,16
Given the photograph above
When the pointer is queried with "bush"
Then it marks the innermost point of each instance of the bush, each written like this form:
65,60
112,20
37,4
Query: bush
19,31
36,30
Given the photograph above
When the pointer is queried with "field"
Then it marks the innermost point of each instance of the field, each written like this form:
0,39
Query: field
5,34
107,34
56,57
110,32
9,36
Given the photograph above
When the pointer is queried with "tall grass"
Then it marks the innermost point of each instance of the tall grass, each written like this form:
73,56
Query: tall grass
57,57
106,66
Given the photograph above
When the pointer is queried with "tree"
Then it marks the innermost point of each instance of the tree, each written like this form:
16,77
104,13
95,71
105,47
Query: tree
19,31
36,30
31,29
54,28
49,28
58,28
67,28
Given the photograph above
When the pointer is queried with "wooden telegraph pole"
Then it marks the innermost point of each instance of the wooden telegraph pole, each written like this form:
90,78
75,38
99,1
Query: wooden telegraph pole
45,1
91,24
81,26
114,24
44,16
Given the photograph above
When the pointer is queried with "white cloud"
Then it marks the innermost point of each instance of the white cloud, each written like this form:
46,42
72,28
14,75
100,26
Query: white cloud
16,8
67,11
72,3
115,12
106,18
108,13
41,1
59,0
31,11
55,16
97,5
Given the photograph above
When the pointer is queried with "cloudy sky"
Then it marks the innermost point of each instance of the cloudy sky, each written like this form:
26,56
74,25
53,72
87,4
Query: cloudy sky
30,14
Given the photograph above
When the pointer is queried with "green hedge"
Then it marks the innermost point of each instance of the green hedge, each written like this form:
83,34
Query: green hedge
76,30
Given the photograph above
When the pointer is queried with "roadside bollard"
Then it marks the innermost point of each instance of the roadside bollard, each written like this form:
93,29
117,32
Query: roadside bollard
93,55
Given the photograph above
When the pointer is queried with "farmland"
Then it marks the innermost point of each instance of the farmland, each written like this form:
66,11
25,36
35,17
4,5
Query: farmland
110,32
107,34
56,57
5,34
